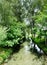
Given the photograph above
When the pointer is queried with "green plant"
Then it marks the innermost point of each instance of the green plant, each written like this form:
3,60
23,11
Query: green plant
3,34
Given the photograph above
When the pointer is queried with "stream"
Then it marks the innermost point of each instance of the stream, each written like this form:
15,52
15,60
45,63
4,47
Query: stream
25,57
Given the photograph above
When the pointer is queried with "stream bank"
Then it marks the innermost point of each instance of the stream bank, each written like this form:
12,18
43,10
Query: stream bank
25,57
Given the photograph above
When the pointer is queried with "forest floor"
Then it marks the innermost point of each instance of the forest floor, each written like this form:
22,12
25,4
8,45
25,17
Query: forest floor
25,57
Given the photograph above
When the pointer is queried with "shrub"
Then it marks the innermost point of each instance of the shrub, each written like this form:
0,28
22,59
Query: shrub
11,36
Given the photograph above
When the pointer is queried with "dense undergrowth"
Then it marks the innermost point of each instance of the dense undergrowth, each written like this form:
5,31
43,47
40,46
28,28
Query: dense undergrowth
10,38
13,29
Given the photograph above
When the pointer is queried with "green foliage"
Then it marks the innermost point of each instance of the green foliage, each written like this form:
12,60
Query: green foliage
4,54
40,23
3,34
12,35
12,14
14,29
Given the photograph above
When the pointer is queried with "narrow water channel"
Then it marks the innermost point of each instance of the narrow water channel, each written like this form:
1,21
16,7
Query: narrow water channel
25,57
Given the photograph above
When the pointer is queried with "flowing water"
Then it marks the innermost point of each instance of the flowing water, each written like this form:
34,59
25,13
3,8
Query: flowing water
25,57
